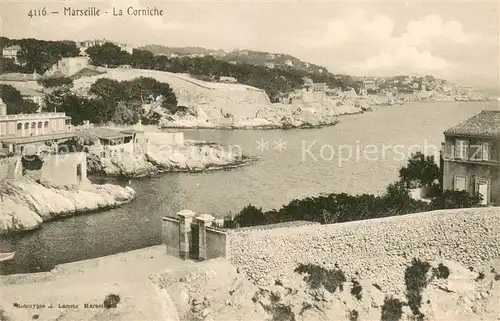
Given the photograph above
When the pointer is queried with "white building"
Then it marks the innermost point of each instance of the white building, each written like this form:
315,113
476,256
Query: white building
69,66
84,45
269,65
11,52
228,79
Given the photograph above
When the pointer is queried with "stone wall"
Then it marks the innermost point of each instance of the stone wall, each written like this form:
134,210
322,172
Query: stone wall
216,243
170,235
377,249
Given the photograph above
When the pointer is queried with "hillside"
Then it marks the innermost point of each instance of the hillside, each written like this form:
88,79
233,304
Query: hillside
221,105
167,51
256,58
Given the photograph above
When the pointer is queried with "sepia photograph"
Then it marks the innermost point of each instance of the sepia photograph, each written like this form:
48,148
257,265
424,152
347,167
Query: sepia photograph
249,160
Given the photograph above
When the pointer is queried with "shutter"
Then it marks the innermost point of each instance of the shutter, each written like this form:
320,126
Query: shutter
486,151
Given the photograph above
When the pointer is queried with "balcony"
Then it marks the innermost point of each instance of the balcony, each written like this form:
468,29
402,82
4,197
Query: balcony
33,116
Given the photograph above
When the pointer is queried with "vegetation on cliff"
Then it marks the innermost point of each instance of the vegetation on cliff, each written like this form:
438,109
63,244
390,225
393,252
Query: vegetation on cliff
117,101
273,81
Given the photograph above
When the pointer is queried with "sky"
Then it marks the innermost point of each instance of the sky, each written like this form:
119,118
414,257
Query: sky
455,40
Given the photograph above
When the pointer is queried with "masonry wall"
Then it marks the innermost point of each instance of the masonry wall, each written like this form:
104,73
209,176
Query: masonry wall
216,243
378,249
170,235
61,169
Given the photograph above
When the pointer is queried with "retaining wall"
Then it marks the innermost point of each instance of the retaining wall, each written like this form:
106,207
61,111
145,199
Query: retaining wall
378,249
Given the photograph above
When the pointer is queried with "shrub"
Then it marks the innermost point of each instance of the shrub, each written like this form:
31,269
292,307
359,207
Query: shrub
3,317
353,315
441,272
51,82
111,301
416,281
356,289
392,309
318,276
455,199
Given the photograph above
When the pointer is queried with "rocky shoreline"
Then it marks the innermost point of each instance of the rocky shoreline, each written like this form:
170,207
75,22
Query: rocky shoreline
192,157
26,204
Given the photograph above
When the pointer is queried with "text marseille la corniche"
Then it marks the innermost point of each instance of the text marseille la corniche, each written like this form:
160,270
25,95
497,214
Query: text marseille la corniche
96,12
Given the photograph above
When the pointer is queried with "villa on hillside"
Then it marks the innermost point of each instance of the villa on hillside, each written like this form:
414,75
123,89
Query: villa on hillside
471,156
11,52
84,45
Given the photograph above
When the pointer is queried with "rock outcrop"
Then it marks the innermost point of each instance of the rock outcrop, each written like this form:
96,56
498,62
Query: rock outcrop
191,156
26,204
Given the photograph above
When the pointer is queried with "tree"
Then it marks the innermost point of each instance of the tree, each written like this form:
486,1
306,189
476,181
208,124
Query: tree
125,115
250,216
420,171
15,102
109,55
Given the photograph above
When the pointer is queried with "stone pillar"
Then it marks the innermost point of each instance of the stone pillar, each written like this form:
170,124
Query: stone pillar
204,221
186,217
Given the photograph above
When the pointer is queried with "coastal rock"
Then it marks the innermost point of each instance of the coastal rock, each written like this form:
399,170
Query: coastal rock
25,204
191,156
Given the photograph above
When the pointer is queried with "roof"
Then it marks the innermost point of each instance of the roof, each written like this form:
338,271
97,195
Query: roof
484,124
39,138
131,131
26,91
108,133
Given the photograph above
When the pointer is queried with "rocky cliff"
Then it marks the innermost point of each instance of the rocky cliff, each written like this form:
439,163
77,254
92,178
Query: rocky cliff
25,204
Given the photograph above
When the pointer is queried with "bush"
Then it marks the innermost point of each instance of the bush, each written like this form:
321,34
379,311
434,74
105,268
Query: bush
416,281
318,276
356,289
441,272
111,301
51,82
353,315
455,199
392,309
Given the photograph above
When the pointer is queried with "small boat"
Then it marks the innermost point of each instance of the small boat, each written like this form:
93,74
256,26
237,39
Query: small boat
7,256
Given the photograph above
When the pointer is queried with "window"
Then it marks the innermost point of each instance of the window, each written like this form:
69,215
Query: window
33,125
486,151
460,183
461,149
46,124
39,124
26,125
19,126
